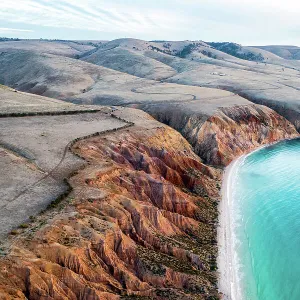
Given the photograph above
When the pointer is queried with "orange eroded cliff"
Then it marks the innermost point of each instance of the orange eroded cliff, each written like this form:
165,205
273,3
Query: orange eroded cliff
140,221
232,131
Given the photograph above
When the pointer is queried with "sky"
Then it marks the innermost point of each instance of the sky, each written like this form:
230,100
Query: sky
248,22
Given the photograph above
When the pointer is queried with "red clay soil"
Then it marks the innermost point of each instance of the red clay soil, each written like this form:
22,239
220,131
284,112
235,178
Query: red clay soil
140,222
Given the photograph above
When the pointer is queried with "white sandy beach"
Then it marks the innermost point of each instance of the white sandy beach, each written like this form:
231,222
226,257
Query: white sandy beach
227,258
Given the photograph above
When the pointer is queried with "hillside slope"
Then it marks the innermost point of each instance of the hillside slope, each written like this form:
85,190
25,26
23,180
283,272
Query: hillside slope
36,133
62,48
85,83
131,62
286,52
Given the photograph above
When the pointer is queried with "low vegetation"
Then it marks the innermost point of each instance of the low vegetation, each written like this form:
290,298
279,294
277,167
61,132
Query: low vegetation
186,50
6,39
236,50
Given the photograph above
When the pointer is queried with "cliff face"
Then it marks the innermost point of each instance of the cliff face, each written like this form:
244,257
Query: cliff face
231,131
141,220
237,130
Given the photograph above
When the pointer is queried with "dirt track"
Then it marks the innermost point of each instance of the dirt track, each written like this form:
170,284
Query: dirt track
35,158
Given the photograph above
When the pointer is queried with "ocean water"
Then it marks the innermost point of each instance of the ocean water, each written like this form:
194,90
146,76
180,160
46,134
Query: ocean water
266,199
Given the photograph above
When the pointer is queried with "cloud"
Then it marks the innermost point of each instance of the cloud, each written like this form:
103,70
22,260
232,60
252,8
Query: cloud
90,15
248,21
5,29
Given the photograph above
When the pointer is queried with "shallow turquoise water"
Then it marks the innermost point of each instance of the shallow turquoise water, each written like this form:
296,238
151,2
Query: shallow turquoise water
266,194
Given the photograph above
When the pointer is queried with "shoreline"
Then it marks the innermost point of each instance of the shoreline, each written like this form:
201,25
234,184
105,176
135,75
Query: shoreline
227,259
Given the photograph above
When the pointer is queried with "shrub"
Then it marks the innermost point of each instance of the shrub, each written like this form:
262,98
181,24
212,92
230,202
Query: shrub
23,226
236,50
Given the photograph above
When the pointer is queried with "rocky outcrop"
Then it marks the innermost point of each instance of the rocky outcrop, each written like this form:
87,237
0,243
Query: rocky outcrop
230,131
237,130
140,221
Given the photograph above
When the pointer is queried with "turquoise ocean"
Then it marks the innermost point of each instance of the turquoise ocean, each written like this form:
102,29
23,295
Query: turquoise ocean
266,198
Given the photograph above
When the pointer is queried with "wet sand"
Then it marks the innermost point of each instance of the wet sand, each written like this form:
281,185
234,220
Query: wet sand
227,258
